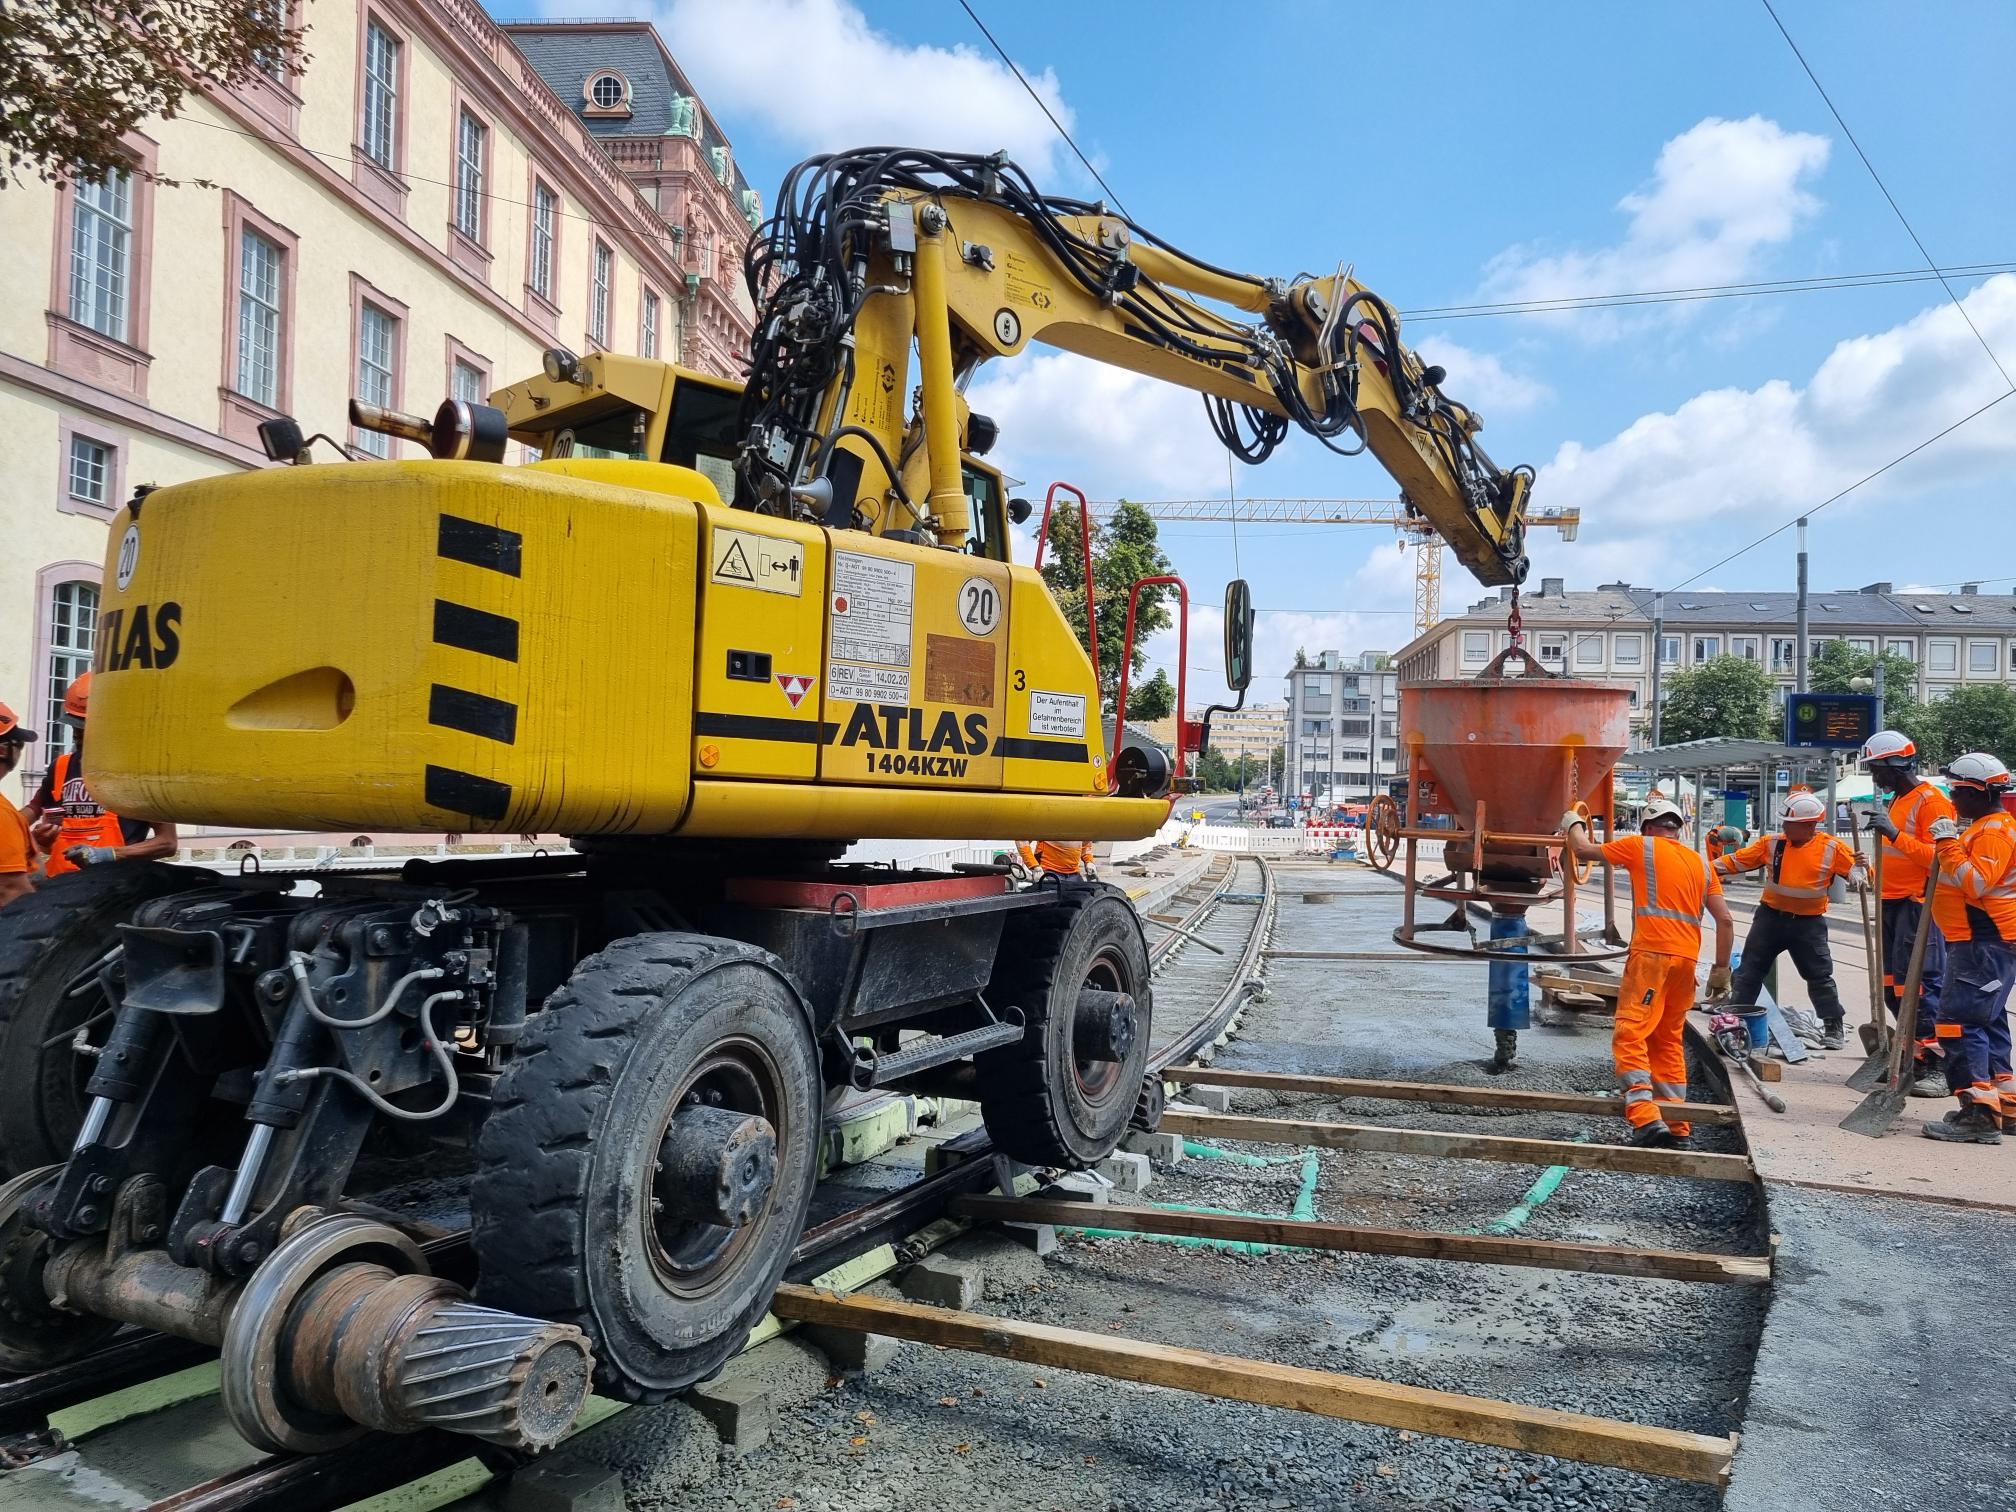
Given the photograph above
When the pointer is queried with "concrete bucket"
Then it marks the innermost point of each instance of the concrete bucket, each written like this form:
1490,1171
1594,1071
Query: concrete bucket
1492,761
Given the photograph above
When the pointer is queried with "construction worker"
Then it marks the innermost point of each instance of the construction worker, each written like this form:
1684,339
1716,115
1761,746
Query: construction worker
17,850
1891,758
1975,908
1057,858
73,826
1724,837
1670,888
1800,864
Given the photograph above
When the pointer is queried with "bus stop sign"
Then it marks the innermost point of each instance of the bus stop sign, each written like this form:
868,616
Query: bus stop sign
1831,721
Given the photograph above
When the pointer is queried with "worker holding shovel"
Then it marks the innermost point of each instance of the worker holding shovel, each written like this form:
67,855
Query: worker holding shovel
1891,758
1975,908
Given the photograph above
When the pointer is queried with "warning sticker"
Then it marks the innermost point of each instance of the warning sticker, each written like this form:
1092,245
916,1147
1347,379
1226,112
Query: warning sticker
872,599
795,686
743,559
880,685
1057,714
958,671
1027,284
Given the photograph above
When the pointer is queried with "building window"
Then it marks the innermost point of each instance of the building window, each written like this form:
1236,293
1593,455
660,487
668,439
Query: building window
1669,650
1904,648
1746,647
1553,649
598,300
101,253
1476,645
1588,650
1707,648
1981,656
471,142
260,265
1629,650
1784,652
272,61
90,472
1942,656
1862,645
466,382
377,334
649,344
381,96
72,628
545,206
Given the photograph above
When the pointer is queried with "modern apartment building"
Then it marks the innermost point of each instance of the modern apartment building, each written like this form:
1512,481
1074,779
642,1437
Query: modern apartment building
420,213
1954,639
1340,727
1258,730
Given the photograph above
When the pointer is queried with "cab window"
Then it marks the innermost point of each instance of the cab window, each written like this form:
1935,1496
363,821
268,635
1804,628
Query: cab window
987,536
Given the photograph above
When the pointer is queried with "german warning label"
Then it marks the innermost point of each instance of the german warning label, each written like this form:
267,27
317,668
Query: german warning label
846,681
872,603
1056,714
743,559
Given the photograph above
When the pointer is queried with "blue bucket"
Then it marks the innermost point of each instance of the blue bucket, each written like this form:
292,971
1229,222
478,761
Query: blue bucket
1757,1023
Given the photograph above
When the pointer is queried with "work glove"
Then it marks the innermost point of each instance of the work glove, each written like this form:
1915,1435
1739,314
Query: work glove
1943,829
1572,818
1881,823
1718,983
91,855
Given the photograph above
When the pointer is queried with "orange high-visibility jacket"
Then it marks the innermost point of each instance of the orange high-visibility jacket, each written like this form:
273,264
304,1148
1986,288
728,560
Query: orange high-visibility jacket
1796,876
1907,860
85,821
1670,886
1067,856
1977,881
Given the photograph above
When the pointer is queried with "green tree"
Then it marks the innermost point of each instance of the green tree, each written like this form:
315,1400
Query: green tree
1725,696
1838,666
1152,700
1214,772
1977,719
1920,722
77,75
1124,550
1301,657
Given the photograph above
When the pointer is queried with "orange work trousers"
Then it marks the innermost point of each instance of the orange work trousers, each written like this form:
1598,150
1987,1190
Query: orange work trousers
1651,1057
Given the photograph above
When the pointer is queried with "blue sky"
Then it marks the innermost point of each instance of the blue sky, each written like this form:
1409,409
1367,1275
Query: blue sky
1461,153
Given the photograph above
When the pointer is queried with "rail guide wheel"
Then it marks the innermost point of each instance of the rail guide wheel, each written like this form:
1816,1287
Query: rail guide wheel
1382,831
34,1333
1064,1094
650,1156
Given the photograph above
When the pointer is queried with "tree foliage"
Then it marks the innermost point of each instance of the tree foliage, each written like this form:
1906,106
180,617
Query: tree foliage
1153,699
1726,696
1218,774
1976,719
1838,666
1124,550
77,75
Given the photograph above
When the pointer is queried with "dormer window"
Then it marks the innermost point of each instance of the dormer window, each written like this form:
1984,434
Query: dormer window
607,94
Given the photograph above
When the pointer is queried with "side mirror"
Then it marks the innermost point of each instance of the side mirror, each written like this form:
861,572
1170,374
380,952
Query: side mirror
281,439
1238,635
1019,510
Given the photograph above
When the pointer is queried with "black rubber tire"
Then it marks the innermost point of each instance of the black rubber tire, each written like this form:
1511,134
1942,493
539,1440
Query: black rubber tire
1036,1108
560,1204
46,939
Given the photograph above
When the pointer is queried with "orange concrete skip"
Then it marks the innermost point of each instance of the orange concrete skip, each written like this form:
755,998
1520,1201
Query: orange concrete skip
1482,1420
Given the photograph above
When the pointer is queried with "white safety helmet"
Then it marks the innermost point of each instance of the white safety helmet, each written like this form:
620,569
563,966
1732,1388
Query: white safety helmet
1658,806
1977,769
1803,806
1890,748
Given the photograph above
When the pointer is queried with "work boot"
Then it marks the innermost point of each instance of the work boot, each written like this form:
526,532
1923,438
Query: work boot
1506,1054
1931,1083
1833,1035
1973,1124
1655,1136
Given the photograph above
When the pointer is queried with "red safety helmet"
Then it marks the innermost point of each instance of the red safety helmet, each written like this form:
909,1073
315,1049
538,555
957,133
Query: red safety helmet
77,698
10,728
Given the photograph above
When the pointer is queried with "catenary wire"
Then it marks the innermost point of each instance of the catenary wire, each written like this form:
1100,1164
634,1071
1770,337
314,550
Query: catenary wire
1888,197
1040,105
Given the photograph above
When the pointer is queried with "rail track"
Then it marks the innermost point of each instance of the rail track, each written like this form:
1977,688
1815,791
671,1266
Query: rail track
378,1463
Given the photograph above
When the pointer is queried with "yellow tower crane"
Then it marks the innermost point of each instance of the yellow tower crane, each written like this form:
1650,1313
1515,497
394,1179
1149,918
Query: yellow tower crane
1412,526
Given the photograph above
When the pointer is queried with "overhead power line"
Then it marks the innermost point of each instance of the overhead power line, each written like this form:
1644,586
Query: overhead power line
1118,203
1889,198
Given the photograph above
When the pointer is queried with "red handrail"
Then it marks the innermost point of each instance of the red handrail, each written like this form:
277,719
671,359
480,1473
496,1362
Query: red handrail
1127,666
1085,540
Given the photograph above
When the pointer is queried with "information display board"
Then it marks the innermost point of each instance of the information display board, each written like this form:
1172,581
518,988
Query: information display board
1830,721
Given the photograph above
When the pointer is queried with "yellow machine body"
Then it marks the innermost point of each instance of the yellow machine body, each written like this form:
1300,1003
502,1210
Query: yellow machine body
586,646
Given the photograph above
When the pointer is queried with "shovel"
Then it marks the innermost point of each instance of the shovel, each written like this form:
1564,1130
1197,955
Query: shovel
1876,1112
1877,1066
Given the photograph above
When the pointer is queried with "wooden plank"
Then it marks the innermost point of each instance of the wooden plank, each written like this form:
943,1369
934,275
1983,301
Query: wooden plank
1602,1104
1552,981
1360,1399
1413,1244
1590,1157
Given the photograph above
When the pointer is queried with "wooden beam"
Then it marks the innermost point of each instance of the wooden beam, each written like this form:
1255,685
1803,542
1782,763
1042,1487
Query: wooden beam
1375,1137
1359,1399
1602,1104
1413,1244
1594,986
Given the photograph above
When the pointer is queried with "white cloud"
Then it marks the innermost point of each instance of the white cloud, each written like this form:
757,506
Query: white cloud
1673,487
816,74
1721,194
1109,431
1482,381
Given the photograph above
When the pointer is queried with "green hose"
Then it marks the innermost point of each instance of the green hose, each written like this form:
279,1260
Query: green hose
1305,1205
1514,1218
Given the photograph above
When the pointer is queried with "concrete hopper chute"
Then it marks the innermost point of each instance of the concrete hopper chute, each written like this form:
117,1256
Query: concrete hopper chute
1492,761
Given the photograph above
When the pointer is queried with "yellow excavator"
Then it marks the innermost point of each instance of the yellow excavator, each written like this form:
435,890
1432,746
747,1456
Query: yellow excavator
714,633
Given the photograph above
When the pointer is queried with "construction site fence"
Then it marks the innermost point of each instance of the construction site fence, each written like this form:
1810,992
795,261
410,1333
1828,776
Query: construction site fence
1298,840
